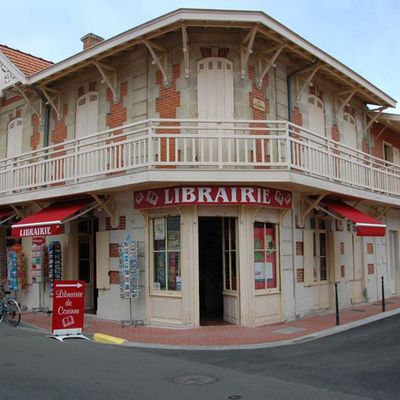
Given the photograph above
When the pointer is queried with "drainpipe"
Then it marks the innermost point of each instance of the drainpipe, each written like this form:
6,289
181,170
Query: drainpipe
289,85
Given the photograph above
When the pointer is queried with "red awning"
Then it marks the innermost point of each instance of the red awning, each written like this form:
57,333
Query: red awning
49,221
365,225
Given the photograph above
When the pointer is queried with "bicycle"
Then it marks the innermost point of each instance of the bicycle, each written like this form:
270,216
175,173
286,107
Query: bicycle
9,309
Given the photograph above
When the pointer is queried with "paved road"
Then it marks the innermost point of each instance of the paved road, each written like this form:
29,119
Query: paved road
363,363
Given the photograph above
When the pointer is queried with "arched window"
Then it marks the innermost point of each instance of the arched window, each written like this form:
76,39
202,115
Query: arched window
349,136
14,138
316,115
87,114
215,88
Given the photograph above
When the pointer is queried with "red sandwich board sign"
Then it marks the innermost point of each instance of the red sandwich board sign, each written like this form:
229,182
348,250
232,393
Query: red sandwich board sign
68,309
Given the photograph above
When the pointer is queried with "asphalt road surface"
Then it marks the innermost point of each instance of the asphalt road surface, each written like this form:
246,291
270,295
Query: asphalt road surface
363,363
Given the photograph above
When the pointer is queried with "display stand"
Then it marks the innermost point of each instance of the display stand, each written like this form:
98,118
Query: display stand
39,270
61,338
129,274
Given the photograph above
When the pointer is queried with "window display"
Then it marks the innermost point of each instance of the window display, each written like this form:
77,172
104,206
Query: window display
265,256
166,253
38,260
16,268
128,269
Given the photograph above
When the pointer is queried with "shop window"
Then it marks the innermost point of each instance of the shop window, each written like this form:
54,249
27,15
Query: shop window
229,250
265,256
167,254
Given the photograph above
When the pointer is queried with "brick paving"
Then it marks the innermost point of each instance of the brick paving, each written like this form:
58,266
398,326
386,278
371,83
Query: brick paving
221,335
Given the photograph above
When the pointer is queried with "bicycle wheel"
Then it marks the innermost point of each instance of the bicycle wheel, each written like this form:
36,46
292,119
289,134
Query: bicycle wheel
13,312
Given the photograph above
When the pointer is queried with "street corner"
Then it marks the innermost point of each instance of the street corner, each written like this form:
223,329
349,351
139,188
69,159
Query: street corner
107,339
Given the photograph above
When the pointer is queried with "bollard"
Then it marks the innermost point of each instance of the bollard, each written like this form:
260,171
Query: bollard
337,305
383,295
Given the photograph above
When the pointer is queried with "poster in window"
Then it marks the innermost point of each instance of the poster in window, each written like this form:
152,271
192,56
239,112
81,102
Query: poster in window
159,229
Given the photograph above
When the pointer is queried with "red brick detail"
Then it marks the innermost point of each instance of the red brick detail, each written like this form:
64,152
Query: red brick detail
365,146
7,101
342,271
121,226
299,248
342,248
114,277
371,269
258,93
114,250
59,132
297,117
370,248
117,115
166,105
93,86
35,138
300,275
335,133
81,91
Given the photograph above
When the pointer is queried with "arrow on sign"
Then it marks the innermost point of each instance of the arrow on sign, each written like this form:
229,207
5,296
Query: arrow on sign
77,285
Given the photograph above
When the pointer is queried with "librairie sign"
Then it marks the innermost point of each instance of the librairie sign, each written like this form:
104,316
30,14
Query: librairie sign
68,309
213,195
43,230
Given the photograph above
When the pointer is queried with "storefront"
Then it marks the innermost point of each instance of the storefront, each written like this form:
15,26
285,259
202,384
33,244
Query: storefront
214,253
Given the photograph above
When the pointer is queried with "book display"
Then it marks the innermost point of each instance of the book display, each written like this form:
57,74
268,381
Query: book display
39,262
16,269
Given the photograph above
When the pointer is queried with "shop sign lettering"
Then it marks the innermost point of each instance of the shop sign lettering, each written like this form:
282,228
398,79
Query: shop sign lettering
45,230
217,195
68,307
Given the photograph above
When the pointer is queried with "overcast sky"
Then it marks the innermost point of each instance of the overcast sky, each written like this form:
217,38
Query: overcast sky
363,34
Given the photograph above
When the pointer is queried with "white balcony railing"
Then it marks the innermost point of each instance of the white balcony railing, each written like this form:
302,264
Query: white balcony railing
189,144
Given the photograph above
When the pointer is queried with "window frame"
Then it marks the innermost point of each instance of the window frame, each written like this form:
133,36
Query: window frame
317,231
315,101
231,252
266,290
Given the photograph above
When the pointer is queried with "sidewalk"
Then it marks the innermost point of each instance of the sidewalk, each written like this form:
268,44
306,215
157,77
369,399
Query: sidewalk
231,336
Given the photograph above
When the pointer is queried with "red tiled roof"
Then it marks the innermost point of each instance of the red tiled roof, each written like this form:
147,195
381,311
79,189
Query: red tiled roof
26,63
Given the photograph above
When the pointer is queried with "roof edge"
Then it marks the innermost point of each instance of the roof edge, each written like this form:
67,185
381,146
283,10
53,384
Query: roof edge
182,14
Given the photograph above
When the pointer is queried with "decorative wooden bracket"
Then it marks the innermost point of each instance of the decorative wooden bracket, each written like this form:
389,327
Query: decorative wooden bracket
312,204
342,102
160,60
185,49
109,79
373,115
26,98
109,207
269,64
378,214
54,102
308,80
18,213
246,48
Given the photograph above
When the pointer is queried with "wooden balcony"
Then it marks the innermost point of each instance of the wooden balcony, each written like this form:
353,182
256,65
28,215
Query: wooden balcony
155,151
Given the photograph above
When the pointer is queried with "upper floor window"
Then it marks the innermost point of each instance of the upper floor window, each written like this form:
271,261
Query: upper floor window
349,135
87,114
14,138
391,153
316,115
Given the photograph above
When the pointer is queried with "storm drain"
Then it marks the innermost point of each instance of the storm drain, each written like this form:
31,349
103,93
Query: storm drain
356,310
194,379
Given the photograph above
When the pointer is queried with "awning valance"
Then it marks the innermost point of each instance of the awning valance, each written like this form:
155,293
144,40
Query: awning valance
50,220
365,224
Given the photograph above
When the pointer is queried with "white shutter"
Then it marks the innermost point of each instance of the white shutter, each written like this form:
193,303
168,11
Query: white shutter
316,115
349,136
87,114
215,89
14,138
308,243
396,156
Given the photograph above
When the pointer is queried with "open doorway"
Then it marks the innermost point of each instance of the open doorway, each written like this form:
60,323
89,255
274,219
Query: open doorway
87,228
217,270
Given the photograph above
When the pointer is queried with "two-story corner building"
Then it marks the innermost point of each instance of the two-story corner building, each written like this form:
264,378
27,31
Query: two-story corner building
252,170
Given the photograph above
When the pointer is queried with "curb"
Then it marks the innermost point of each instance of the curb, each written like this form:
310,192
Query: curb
298,340
107,339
